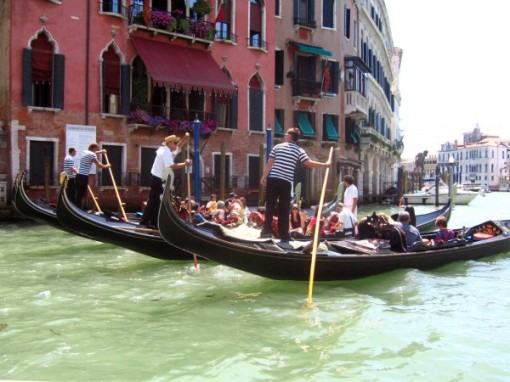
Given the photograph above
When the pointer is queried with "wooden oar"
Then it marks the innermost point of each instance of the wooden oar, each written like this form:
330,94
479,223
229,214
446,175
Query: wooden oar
315,242
195,260
94,199
121,205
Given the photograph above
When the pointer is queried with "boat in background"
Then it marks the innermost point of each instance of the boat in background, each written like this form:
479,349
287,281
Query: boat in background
427,195
38,210
108,228
427,222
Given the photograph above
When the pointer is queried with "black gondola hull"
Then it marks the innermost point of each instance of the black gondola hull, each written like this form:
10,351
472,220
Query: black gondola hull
344,261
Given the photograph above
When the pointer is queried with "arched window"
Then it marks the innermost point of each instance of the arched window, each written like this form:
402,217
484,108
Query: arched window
256,107
43,74
111,81
140,93
256,38
224,21
115,83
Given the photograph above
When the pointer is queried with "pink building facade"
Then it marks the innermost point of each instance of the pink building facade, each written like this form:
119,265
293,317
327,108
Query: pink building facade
128,73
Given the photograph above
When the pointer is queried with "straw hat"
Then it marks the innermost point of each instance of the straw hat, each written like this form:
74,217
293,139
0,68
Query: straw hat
171,138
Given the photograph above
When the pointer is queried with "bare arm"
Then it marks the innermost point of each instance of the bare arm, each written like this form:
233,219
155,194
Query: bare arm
314,164
267,168
100,165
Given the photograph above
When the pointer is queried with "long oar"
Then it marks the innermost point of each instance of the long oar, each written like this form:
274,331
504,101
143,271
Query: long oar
317,230
195,260
121,206
94,199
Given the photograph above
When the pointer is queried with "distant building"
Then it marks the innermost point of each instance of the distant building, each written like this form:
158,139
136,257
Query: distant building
481,161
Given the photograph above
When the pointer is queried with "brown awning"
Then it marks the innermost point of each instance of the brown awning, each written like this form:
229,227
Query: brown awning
182,67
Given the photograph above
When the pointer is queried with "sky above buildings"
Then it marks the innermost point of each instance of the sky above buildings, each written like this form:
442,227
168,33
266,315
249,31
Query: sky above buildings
455,69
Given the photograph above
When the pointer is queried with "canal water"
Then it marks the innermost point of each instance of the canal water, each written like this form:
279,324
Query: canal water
72,309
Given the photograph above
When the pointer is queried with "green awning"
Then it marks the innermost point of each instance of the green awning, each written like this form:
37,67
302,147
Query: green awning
317,50
305,126
277,127
331,130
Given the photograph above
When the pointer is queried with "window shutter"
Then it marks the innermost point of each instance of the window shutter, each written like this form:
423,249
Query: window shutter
335,76
233,113
58,80
255,110
27,77
311,12
279,57
125,86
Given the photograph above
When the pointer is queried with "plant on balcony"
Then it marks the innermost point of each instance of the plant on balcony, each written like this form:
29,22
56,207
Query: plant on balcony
139,116
201,8
202,29
160,19
183,126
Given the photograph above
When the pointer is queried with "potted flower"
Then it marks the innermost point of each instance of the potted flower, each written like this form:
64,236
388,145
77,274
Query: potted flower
160,19
201,8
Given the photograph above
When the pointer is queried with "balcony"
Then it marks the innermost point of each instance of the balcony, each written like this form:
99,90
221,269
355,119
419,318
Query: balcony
305,22
306,88
373,141
356,105
173,121
174,24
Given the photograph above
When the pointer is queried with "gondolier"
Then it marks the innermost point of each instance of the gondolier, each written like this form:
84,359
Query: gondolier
278,177
88,158
171,146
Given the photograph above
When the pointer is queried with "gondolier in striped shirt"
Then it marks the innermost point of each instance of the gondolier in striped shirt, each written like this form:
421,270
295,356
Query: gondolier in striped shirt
70,170
88,158
278,178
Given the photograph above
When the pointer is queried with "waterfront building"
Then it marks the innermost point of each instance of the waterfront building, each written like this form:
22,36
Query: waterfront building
380,138
479,162
127,73
337,80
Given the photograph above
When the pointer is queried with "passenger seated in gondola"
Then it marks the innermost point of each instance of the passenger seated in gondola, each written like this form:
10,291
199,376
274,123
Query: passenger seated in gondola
296,220
342,220
443,233
411,232
219,214
310,229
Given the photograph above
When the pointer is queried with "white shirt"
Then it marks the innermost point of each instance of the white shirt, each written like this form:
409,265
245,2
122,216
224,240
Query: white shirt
164,159
347,218
350,194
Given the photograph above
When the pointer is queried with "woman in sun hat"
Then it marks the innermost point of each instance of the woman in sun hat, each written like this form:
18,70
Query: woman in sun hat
170,147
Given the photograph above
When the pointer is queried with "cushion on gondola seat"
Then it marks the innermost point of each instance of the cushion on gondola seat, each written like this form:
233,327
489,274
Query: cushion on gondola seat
481,236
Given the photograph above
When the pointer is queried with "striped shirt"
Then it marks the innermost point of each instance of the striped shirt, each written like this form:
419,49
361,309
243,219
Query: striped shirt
86,161
286,156
68,165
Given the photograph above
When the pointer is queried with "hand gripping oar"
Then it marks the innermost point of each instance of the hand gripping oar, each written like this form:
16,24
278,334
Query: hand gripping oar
317,230
195,260
121,206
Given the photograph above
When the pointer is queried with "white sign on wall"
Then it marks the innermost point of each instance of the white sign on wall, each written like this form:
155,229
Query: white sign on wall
80,137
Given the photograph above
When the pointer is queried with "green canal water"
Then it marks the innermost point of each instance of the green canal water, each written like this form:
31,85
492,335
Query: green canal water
72,309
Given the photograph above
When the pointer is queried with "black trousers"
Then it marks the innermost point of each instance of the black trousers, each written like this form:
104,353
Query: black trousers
71,190
82,181
151,211
278,192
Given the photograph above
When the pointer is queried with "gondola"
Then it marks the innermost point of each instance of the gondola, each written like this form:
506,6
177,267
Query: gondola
109,229
38,210
336,260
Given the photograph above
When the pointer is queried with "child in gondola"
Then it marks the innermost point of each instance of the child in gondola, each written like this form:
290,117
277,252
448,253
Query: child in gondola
444,233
